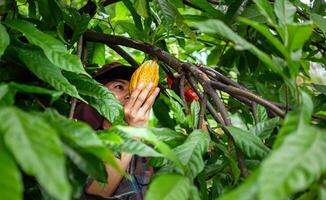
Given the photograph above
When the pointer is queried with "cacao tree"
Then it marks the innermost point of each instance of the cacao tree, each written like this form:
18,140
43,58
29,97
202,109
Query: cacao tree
256,131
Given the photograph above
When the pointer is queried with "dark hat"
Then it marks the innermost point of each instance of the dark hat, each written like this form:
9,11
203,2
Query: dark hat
113,71
107,73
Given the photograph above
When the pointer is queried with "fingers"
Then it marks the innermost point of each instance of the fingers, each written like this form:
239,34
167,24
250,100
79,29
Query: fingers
149,102
134,95
142,97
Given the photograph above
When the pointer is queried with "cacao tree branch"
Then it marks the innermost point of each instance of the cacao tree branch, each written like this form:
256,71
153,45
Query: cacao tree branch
254,112
236,91
202,111
182,90
80,50
210,108
124,55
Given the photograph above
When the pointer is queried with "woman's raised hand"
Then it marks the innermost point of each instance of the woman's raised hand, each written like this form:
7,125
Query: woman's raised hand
138,108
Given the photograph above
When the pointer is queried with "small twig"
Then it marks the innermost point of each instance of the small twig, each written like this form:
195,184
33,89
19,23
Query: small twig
124,55
286,99
202,111
220,77
80,49
72,108
182,90
254,112
210,108
239,92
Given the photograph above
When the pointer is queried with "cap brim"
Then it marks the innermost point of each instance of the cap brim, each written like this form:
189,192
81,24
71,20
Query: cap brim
114,71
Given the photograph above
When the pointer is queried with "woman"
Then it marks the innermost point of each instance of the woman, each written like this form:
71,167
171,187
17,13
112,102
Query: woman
137,109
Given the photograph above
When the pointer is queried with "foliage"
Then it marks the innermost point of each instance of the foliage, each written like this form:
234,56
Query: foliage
276,49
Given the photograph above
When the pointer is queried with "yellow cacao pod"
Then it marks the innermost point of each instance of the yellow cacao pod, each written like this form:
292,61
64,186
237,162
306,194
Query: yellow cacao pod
145,73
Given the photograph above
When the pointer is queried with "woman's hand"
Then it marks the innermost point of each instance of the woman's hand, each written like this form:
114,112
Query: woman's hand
138,108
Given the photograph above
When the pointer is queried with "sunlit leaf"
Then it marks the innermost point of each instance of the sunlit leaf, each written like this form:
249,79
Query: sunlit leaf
319,21
54,50
266,9
218,27
36,62
36,147
284,11
141,7
170,186
191,151
4,39
250,144
11,185
304,149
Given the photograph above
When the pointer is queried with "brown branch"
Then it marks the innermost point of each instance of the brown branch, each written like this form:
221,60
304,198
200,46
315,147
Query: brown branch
254,112
210,108
218,76
80,50
124,55
182,90
236,91
202,111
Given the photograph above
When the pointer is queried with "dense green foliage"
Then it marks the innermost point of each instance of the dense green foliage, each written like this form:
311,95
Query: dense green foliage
274,48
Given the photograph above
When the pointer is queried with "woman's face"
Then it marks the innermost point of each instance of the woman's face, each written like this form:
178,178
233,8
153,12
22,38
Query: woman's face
120,88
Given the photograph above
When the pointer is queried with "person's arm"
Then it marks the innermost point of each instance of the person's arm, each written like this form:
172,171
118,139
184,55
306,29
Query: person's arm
114,178
136,114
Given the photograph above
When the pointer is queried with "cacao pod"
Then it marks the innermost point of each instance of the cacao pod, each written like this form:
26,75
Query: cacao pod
145,73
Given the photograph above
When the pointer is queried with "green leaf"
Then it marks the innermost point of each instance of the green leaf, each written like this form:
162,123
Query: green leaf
295,119
4,39
98,96
304,150
11,185
141,7
147,135
176,97
250,144
108,108
218,27
191,151
264,30
7,96
195,108
319,21
261,113
132,30
77,22
203,4
135,16
87,163
89,87
37,149
129,145
79,134
37,63
98,54
54,50
50,11
168,136
284,11
246,191
320,88
298,34
265,128
169,15
169,187
266,9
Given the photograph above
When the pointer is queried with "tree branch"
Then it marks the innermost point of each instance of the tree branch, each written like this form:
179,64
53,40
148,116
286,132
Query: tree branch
236,91
124,55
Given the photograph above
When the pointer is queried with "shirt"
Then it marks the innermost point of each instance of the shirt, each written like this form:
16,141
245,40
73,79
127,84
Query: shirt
132,187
